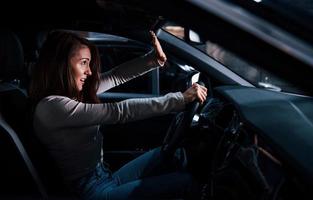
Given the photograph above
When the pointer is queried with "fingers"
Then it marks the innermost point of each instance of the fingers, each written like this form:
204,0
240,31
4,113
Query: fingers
154,39
201,92
201,96
153,36
161,57
196,91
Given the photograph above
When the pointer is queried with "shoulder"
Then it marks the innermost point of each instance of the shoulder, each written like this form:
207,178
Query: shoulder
53,100
54,104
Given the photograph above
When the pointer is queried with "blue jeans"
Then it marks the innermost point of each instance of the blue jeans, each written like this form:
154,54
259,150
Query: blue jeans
150,176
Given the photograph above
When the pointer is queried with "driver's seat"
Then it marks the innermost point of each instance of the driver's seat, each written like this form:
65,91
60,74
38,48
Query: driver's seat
18,174
24,156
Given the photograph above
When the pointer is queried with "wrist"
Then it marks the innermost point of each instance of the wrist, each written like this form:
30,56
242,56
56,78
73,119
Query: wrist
187,98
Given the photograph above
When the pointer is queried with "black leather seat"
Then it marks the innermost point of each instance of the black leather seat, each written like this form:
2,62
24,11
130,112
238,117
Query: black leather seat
12,98
17,173
11,56
26,156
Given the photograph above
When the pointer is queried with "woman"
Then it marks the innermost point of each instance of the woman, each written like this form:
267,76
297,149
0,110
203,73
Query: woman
68,113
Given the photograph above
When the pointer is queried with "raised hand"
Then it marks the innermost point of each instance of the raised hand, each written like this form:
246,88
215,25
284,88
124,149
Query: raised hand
161,57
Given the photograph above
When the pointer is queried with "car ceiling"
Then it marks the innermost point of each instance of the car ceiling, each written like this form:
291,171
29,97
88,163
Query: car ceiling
100,15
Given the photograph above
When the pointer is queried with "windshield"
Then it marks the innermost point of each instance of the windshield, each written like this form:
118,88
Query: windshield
254,74
295,16
302,7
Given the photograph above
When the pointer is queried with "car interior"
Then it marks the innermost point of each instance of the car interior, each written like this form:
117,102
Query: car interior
249,140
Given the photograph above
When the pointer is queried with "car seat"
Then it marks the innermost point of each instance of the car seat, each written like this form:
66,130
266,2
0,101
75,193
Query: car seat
25,154
17,172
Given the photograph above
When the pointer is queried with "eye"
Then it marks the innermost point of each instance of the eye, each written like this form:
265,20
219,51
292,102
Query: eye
84,62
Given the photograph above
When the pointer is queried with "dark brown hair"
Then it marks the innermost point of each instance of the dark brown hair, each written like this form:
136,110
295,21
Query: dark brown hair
52,75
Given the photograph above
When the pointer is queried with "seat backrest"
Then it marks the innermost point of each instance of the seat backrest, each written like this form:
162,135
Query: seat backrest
16,114
13,99
16,171
11,56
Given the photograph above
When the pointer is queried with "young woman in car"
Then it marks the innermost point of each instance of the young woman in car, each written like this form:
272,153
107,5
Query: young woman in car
68,114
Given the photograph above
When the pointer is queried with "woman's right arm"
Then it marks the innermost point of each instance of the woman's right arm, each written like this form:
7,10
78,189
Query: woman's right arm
61,112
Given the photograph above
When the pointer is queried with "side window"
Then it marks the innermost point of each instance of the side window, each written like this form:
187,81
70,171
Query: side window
173,77
115,50
112,56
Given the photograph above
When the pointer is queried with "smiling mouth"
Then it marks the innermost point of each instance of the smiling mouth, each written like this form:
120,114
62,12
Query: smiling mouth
83,80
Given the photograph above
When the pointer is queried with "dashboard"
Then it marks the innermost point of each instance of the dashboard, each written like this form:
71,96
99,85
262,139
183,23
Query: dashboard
264,143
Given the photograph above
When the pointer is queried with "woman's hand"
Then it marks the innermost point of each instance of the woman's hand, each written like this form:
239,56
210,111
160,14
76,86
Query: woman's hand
161,57
196,91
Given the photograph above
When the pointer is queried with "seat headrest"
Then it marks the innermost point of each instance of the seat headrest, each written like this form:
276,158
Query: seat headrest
11,56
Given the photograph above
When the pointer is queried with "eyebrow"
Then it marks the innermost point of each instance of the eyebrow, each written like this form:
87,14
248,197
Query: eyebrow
84,58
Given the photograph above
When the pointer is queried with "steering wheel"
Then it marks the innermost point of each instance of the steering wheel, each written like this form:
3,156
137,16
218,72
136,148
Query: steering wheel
177,130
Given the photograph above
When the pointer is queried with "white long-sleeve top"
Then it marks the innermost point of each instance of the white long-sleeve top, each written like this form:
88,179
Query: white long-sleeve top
69,128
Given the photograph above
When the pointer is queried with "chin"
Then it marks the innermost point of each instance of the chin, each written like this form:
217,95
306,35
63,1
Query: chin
79,88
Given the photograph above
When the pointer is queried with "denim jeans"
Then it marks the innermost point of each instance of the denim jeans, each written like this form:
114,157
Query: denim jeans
150,176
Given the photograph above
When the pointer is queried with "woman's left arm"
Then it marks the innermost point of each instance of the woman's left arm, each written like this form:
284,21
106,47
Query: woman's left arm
134,68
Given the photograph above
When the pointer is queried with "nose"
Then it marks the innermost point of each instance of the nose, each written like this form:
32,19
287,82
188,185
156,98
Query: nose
88,71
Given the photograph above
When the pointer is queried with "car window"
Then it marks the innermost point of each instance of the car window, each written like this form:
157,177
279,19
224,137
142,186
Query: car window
115,50
254,74
113,56
175,76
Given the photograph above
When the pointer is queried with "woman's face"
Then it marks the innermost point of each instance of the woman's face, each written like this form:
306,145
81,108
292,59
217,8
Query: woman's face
80,63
